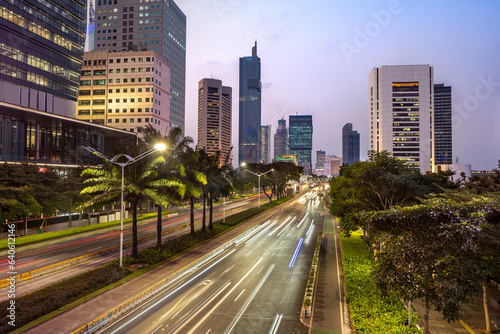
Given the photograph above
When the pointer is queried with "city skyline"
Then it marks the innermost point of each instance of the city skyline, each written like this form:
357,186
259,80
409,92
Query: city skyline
327,50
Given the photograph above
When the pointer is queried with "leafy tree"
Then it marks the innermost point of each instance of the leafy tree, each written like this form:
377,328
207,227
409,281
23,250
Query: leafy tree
486,184
378,184
141,181
440,251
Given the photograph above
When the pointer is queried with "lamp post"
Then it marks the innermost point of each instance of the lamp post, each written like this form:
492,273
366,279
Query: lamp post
130,160
259,175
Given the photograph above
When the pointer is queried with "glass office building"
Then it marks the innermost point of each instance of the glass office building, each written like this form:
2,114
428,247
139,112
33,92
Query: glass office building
250,109
443,154
41,50
300,139
350,145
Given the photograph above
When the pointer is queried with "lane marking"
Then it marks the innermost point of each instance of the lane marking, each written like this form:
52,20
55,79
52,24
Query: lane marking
239,295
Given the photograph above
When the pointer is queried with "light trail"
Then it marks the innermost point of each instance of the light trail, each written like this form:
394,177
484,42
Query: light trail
276,324
296,252
280,226
307,213
283,230
310,227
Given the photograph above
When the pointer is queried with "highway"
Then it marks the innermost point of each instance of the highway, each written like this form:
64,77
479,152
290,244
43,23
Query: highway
32,259
256,286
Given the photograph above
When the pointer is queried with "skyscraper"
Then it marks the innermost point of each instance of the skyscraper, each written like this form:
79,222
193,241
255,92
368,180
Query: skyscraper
249,108
281,139
90,28
214,118
42,48
159,26
265,144
443,154
401,112
300,139
350,145
320,162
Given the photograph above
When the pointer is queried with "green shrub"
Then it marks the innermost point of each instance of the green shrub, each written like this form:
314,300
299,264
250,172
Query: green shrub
371,312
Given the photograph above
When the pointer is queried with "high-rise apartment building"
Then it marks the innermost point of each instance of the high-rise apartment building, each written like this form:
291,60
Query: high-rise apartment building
281,139
40,61
401,113
214,118
125,90
147,25
265,144
300,140
350,144
443,154
249,108
332,165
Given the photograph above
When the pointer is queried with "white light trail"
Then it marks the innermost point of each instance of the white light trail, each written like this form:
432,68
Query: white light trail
307,213
291,221
276,324
277,228
310,227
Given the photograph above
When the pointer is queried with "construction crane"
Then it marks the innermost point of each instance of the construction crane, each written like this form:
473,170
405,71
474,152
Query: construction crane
280,115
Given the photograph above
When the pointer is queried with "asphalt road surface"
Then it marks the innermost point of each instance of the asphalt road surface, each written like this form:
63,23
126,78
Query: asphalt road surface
256,286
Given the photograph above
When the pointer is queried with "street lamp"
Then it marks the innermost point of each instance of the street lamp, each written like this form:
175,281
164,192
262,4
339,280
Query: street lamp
130,160
259,175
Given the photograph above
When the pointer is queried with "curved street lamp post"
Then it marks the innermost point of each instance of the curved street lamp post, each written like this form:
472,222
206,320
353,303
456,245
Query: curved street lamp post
130,161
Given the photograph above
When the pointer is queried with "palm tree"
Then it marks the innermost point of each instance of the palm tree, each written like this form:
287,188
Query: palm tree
142,181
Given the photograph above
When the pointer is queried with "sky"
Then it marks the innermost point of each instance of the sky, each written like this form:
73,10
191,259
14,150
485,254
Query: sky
316,57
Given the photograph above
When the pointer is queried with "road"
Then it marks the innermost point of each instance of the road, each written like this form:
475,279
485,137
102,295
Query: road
28,260
256,286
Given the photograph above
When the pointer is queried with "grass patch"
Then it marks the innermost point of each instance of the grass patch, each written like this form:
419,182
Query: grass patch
371,312
30,239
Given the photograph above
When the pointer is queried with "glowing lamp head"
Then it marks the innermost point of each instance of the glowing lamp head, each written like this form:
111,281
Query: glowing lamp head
160,147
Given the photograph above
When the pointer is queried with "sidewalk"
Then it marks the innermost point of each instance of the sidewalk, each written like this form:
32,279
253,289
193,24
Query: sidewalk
473,319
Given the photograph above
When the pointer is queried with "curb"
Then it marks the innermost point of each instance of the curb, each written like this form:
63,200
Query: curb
313,273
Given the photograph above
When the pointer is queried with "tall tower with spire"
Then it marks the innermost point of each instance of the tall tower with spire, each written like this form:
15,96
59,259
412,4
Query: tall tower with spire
250,108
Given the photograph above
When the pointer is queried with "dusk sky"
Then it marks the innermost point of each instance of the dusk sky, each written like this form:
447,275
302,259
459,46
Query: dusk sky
316,57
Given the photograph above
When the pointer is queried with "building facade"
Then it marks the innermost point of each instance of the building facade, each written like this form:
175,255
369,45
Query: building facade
320,162
332,165
126,90
401,113
281,139
249,109
265,144
300,140
41,51
350,144
443,153
158,26
214,118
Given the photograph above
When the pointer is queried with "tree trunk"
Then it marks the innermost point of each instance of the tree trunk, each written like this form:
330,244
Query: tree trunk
486,312
192,216
211,216
158,228
204,224
135,254
426,318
